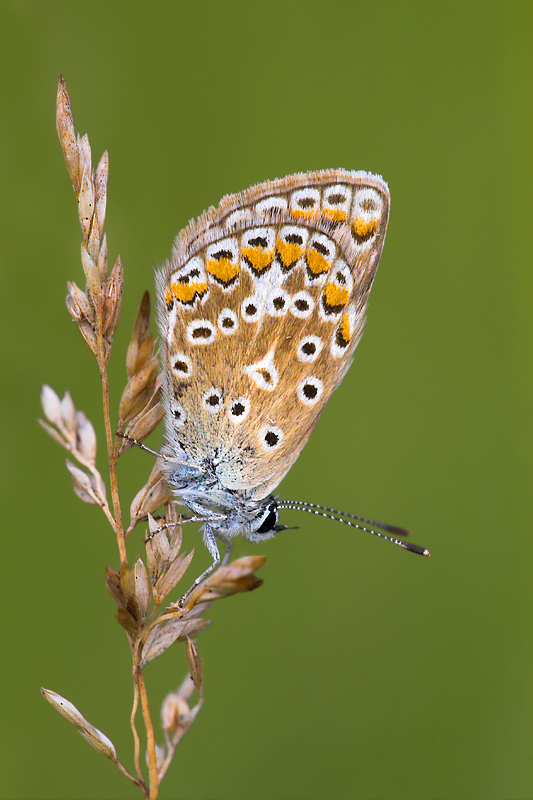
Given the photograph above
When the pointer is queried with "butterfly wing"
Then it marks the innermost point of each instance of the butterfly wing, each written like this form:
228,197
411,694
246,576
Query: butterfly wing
261,307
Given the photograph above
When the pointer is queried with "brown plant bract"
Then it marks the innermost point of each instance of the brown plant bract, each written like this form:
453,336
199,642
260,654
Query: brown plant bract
139,591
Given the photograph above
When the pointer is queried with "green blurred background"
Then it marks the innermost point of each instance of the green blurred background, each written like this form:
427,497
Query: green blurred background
357,670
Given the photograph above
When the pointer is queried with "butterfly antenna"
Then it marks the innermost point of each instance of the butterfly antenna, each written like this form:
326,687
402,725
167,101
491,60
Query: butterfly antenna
344,517
137,443
394,529
163,456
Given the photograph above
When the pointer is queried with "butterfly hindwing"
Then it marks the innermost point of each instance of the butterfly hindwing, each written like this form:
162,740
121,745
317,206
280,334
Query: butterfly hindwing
261,307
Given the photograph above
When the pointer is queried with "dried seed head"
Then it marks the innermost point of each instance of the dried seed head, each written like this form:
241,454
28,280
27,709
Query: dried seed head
86,437
239,576
68,413
101,258
174,710
98,322
93,278
164,634
78,305
86,199
157,528
152,496
163,542
186,689
51,405
157,542
141,346
93,247
130,589
142,593
147,420
154,562
140,402
67,134
162,548
112,297
92,735
83,484
89,336
101,177
84,150
177,715
112,581
174,530
171,576
138,392
74,431
195,665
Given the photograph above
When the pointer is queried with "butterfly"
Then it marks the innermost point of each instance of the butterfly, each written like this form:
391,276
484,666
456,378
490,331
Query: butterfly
260,308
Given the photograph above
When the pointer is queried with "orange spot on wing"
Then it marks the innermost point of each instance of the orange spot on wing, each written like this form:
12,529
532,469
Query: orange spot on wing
345,328
316,262
259,259
222,269
298,213
185,292
335,214
364,227
289,252
336,295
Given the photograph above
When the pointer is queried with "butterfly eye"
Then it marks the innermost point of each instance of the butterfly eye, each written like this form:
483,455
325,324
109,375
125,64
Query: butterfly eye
269,522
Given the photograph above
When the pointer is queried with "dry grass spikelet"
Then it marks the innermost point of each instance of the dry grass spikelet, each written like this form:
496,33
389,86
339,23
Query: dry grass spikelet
140,588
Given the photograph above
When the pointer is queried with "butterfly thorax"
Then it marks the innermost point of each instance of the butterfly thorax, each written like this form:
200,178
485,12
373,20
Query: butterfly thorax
229,512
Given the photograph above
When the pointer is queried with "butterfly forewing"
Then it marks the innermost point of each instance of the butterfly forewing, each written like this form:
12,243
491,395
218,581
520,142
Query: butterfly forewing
261,307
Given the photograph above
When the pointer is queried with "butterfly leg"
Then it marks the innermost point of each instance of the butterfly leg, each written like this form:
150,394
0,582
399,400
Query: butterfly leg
210,541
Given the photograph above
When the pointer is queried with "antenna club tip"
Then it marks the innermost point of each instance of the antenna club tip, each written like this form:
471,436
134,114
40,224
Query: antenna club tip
426,553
